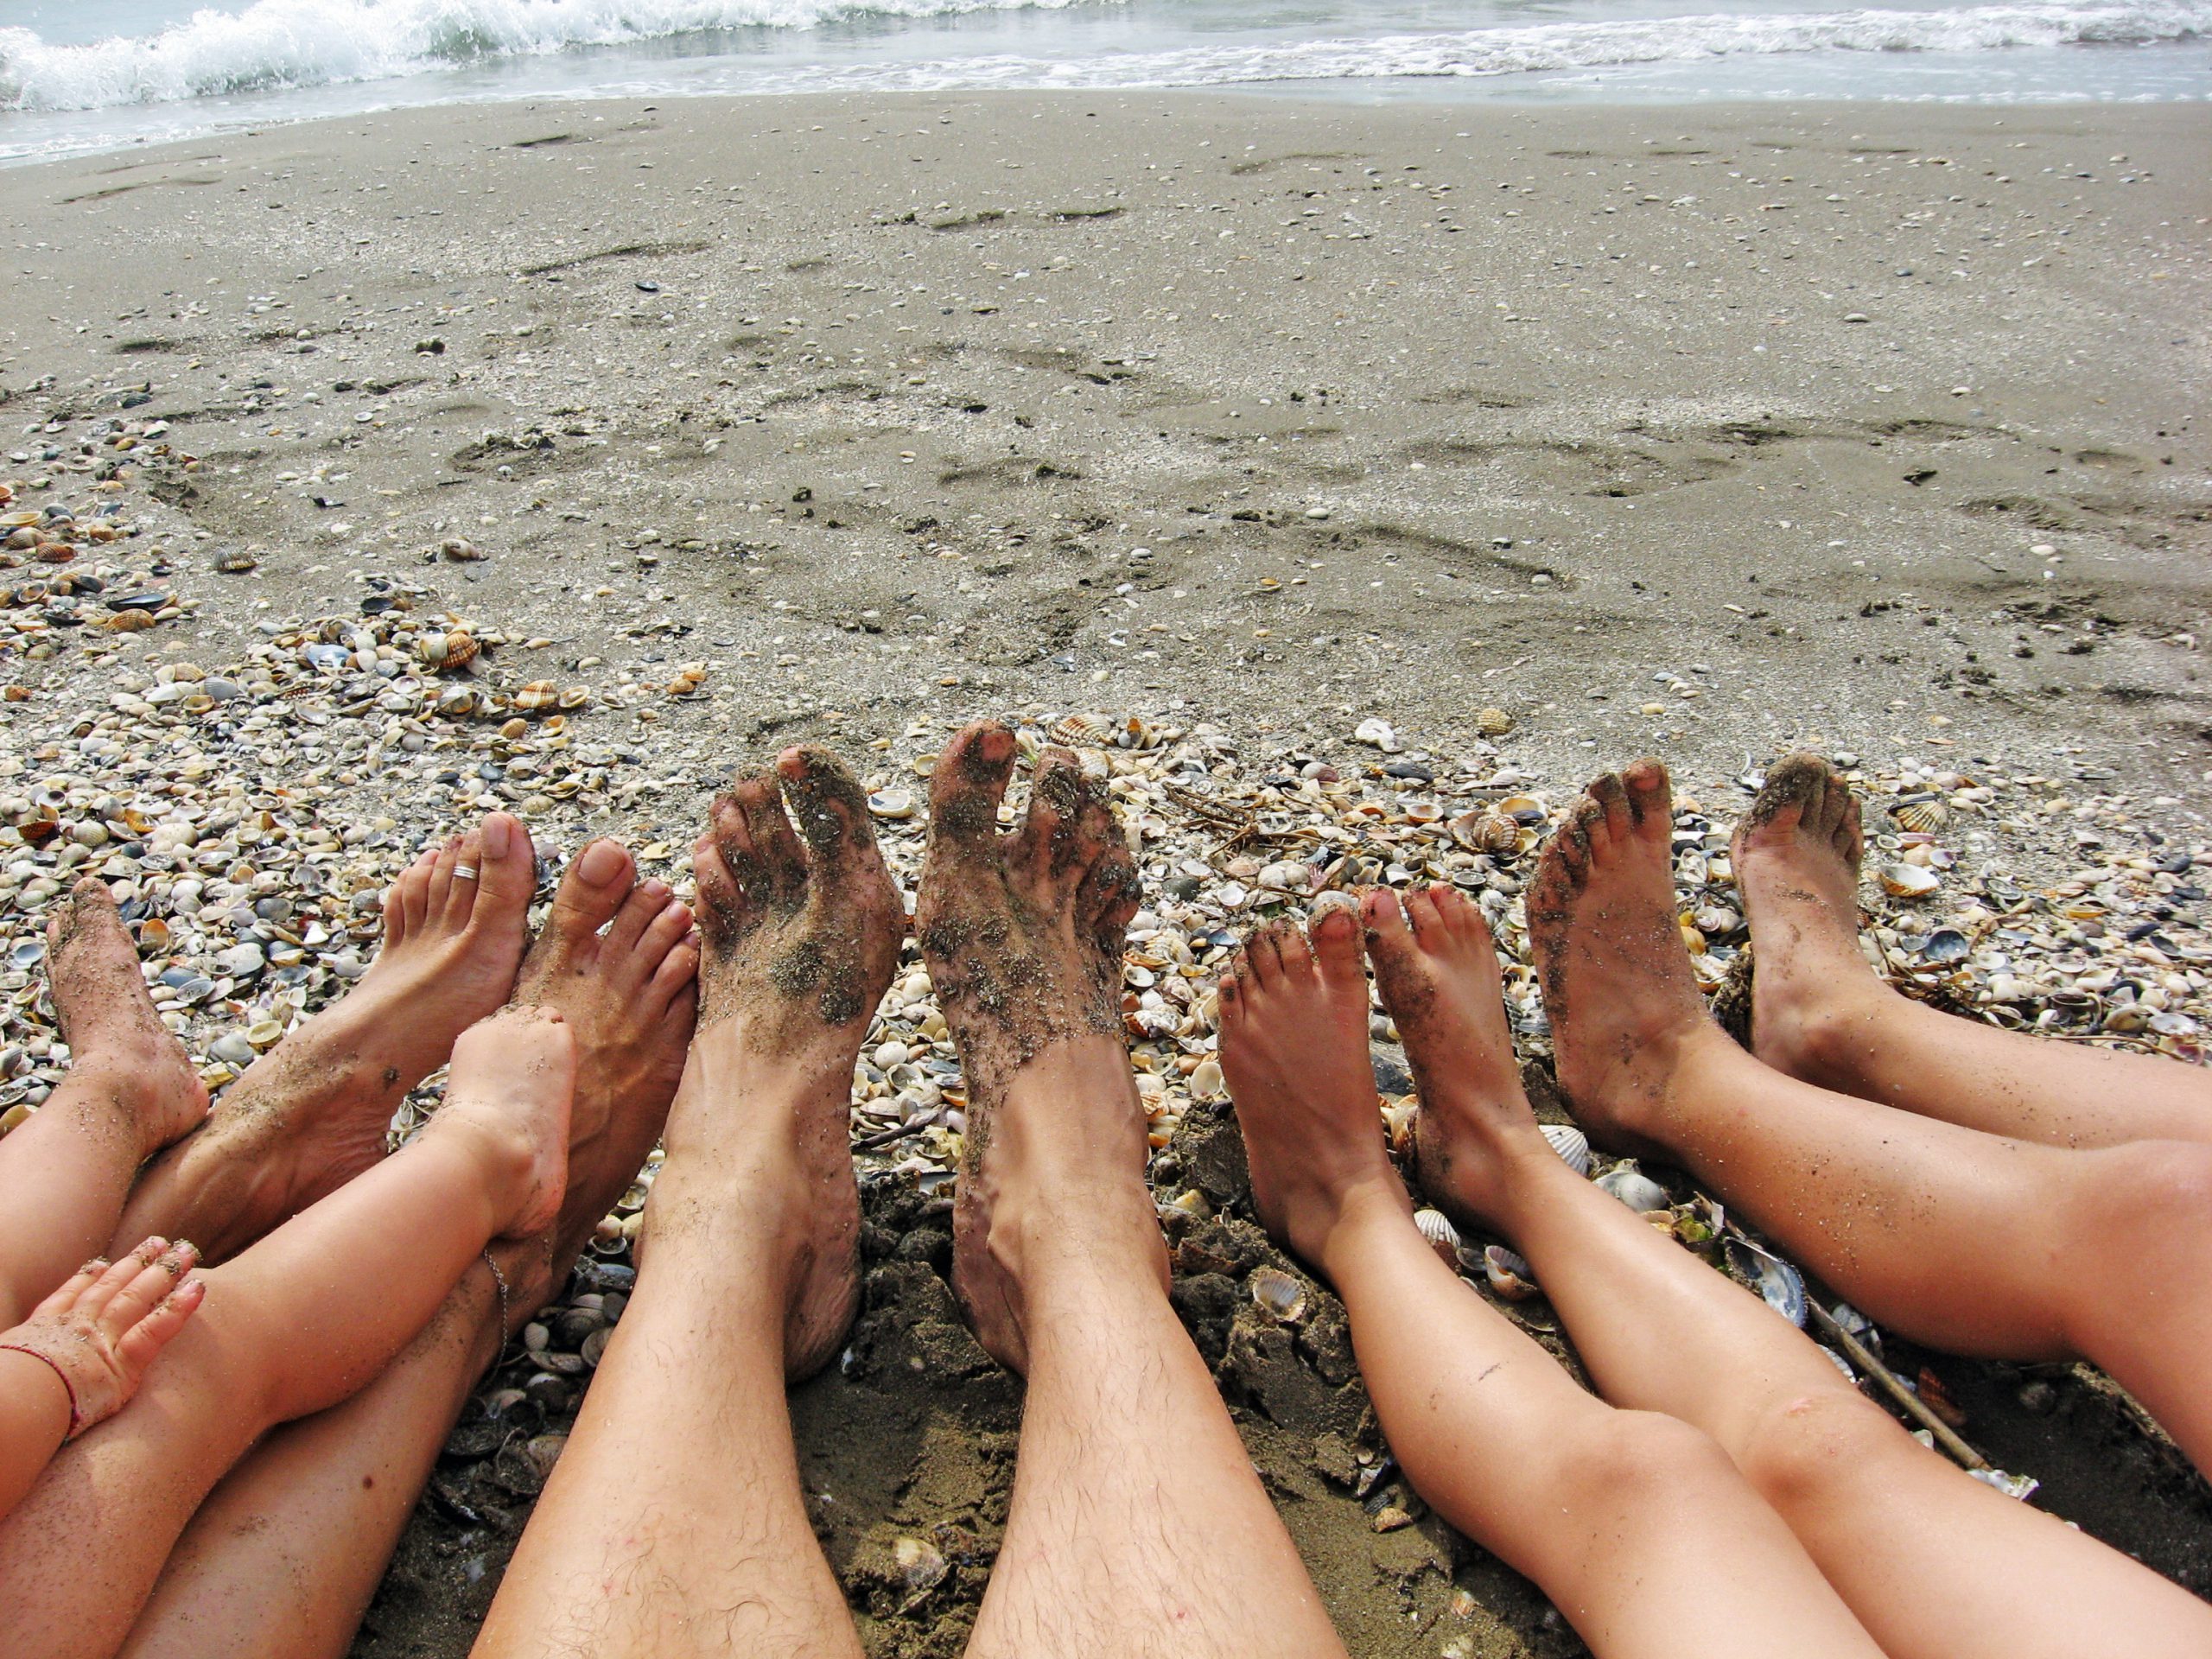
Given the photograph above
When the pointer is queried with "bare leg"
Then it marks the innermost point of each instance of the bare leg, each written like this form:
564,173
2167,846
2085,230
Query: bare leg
345,1480
674,1523
1137,1522
292,1325
1958,1239
1820,1013
1936,1563
1612,1513
66,1171
313,1113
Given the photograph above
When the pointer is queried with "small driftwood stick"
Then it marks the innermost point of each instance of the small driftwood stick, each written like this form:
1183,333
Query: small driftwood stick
1915,1407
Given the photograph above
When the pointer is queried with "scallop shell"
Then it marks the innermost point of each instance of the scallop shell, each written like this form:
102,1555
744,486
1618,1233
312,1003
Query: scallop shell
1633,1187
1571,1145
1908,881
1507,1273
1282,1296
1443,1237
1080,732
1487,832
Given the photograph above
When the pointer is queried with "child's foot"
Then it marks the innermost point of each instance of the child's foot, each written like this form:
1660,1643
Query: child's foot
800,933
1293,1047
119,1048
1022,934
1437,972
313,1112
101,1329
514,1078
1796,855
1616,980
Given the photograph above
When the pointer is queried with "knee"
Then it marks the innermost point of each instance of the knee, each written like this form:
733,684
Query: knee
1638,1460
1803,1446
2147,1191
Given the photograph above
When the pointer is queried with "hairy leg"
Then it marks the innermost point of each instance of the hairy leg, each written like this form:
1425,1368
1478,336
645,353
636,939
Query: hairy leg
1820,1013
312,1113
1934,1563
1137,1519
1612,1513
344,1481
1960,1239
674,1523
290,1327
65,1172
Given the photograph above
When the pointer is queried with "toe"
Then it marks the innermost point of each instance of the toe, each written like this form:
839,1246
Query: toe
1650,798
1293,952
1619,822
727,911
671,983
781,865
1420,907
1791,795
1229,999
408,899
439,888
967,785
592,889
1461,916
663,935
1110,896
646,901
1262,966
1062,835
506,872
830,805
1388,935
1589,823
466,884
1334,937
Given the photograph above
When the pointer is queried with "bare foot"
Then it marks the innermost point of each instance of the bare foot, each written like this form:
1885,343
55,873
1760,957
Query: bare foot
313,1112
1796,856
1293,1047
629,996
799,945
514,1078
1437,972
1617,979
1022,935
117,1041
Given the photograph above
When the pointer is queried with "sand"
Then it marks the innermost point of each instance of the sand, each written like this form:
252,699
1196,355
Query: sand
1700,430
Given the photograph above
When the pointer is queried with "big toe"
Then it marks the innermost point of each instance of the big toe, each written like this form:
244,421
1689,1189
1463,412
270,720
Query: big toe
829,806
1793,795
967,785
1334,934
506,874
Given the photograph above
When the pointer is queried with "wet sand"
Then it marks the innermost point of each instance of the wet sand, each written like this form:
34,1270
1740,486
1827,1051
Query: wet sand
1703,431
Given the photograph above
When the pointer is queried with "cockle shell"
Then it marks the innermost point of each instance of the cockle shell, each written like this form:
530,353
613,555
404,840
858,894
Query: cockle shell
538,697
1443,1237
439,650
1925,816
1080,732
1493,723
1507,1273
1908,881
1282,1296
1571,1145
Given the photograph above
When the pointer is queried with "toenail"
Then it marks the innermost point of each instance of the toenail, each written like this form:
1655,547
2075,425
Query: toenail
601,862
498,836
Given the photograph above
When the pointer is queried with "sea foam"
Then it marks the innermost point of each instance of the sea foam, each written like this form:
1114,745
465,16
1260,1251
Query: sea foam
277,44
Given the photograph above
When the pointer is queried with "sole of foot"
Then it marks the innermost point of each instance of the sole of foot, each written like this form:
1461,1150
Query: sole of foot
1021,932
1293,1048
618,958
1796,855
313,1112
514,1078
117,1040
1436,967
1617,979
799,929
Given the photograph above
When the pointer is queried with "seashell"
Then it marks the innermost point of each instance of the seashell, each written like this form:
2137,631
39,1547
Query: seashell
1443,1237
1206,1079
925,763
1080,732
1487,832
236,563
1376,734
1946,944
1571,1145
1493,723
1922,816
1420,810
1287,877
1780,1284
575,697
1908,881
439,651
538,697
892,804
1282,1296
1398,1118
1633,1187
460,550
1507,1273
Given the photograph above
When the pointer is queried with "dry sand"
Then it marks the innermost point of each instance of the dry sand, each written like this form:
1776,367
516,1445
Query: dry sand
1869,425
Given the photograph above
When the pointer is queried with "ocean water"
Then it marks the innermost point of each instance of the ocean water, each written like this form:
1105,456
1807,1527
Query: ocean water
88,75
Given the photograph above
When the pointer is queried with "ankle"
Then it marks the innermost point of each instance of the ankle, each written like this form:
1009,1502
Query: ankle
500,1160
1361,1209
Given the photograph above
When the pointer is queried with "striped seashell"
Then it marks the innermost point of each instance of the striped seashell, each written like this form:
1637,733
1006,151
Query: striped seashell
1571,1145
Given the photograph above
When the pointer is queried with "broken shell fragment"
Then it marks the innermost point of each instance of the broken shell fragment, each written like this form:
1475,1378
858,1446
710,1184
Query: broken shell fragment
1633,1187
1507,1273
1780,1284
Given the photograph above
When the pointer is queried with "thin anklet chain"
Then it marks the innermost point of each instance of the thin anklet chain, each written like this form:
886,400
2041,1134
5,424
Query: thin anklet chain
500,1279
